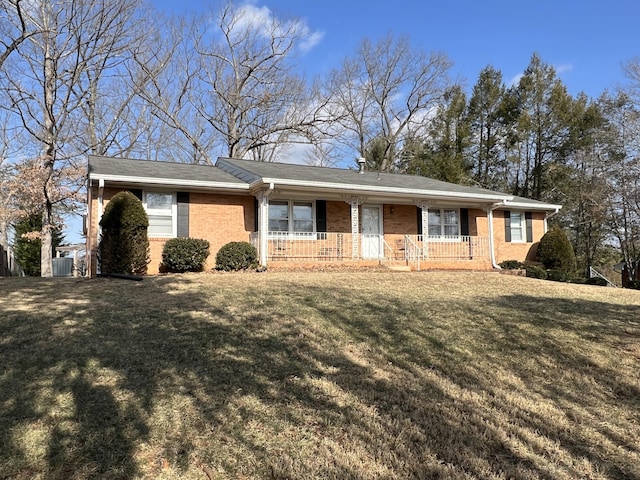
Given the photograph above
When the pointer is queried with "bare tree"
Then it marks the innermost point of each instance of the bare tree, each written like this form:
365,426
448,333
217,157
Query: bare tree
387,90
229,88
52,87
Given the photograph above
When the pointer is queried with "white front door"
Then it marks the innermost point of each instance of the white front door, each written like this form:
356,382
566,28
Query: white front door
372,231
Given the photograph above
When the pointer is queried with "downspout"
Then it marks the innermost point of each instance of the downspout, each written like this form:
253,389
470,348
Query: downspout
492,253
547,216
263,224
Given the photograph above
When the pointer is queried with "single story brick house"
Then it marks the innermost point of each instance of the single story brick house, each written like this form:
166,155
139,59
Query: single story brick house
316,215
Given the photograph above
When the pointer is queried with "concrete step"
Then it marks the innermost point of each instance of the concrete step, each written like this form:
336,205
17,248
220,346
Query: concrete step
400,268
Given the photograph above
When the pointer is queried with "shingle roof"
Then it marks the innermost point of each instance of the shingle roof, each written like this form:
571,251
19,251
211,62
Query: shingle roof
127,168
252,171
235,174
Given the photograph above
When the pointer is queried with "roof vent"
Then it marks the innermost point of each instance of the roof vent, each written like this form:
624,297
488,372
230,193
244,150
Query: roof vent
361,163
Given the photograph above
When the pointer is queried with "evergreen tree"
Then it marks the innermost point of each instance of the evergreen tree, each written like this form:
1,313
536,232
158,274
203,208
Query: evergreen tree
444,155
28,244
487,114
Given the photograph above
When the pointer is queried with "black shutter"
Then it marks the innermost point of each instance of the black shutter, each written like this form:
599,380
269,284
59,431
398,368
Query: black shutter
507,226
256,208
321,215
183,214
529,220
464,222
137,192
419,210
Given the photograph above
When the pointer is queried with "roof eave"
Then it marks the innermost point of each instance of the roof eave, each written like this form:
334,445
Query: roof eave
367,189
169,182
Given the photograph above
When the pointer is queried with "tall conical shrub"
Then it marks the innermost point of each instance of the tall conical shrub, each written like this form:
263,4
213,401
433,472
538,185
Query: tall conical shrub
124,245
556,253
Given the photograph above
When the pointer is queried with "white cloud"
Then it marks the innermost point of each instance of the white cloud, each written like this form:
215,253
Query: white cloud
251,16
563,68
515,80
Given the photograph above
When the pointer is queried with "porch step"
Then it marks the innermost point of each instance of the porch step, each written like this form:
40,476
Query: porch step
400,268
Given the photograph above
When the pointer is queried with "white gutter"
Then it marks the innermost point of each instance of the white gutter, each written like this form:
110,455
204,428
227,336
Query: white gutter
492,253
169,181
346,187
549,215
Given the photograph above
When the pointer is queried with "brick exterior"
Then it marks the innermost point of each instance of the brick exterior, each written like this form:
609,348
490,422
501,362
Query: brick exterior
221,218
217,218
521,251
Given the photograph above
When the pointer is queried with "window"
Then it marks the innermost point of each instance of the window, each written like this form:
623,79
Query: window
291,216
517,224
444,222
161,211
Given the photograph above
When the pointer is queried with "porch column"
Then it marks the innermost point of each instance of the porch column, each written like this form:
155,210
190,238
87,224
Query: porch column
263,225
424,217
355,202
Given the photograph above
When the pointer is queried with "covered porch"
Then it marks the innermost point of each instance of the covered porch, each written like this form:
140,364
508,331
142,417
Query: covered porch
415,251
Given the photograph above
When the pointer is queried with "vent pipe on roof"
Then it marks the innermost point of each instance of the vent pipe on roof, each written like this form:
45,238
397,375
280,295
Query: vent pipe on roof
361,163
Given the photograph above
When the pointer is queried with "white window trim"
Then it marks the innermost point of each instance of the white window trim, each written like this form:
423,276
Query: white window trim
523,226
290,234
442,237
174,211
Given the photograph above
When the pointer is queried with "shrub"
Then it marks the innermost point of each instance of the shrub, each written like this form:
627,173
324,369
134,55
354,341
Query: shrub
124,245
511,265
558,275
533,271
555,252
597,281
635,284
236,256
185,254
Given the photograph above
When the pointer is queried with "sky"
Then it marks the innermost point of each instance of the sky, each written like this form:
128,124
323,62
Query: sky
587,41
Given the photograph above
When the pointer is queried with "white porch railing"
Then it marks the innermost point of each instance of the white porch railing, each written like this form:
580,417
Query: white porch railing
348,247
454,247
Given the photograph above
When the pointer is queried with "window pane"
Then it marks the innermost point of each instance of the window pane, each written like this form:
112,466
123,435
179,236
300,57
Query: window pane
516,227
435,227
451,217
160,226
159,202
451,230
435,230
302,217
303,225
279,216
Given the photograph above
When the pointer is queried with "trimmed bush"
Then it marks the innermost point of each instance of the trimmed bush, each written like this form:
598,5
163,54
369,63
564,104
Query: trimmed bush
237,256
511,265
558,275
596,281
634,284
185,254
533,271
124,245
556,253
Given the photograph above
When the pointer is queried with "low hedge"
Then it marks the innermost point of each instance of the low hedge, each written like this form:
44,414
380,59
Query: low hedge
236,256
185,254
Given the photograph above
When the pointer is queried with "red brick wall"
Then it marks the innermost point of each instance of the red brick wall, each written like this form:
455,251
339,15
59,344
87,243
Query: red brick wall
217,218
520,251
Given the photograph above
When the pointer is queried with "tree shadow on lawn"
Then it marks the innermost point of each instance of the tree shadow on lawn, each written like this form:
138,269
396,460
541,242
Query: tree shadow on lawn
98,381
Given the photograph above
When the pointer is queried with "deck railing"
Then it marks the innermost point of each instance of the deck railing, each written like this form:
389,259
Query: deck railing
348,247
454,247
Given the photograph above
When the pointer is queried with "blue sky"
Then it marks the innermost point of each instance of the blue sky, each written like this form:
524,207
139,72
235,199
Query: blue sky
586,41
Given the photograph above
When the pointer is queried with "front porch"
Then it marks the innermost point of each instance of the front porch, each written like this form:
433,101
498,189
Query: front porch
416,251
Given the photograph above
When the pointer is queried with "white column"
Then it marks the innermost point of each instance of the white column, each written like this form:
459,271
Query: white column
263,226
354,202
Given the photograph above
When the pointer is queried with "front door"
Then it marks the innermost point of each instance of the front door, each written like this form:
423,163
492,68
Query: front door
372,231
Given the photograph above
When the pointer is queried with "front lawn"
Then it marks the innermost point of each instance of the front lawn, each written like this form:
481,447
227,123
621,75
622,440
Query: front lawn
283,375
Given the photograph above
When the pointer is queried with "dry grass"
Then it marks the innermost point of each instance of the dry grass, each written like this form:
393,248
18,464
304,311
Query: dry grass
318,375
